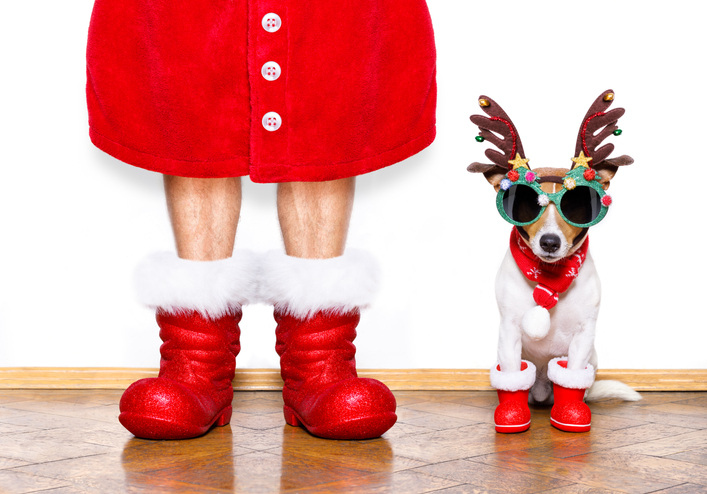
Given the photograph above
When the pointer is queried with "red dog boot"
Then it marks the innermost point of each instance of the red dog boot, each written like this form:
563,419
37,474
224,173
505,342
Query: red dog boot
512,413
570,413
317,309
198,311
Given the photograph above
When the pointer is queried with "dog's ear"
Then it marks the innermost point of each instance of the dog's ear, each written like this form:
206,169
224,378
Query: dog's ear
493,173
608,168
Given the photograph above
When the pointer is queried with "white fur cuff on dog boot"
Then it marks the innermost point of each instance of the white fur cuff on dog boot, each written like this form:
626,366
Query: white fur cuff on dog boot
558,373
519,380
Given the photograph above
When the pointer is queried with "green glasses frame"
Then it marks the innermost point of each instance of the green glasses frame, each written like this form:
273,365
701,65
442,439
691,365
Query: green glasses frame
574,179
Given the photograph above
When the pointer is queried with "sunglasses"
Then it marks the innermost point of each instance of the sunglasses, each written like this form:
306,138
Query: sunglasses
581,202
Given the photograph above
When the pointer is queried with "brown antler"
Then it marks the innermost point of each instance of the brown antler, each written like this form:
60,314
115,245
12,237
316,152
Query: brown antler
499,131
598,124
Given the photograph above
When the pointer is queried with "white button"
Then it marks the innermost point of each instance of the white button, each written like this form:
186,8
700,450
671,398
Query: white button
272,22
271,71
272,121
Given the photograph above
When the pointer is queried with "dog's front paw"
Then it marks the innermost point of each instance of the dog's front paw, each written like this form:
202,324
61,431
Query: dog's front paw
536,322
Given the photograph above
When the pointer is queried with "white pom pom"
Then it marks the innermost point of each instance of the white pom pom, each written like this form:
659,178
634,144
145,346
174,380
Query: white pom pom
536,322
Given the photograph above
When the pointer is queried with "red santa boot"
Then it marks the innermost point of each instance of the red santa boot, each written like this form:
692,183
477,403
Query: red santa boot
317,308
570,413
198,310
512,413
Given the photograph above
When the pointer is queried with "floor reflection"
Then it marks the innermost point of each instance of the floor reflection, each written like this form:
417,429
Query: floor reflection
216,461
328,464
170,466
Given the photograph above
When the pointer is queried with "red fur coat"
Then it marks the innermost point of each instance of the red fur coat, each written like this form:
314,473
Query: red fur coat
280,90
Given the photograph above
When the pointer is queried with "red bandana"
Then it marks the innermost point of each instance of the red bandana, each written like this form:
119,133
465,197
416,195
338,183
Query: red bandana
553,278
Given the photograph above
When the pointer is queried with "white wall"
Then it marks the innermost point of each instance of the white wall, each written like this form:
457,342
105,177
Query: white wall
74,222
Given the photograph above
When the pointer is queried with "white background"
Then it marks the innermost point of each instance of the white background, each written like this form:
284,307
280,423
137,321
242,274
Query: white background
74,222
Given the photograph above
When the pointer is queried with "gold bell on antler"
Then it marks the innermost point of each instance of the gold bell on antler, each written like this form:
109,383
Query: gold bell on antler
484,102
609,97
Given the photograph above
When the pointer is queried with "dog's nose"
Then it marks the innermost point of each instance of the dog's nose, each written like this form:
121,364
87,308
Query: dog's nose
550,243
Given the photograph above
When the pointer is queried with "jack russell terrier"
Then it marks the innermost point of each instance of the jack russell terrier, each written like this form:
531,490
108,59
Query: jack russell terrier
547,288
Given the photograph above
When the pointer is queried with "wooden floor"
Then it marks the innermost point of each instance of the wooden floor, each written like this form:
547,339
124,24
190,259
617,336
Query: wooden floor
71,442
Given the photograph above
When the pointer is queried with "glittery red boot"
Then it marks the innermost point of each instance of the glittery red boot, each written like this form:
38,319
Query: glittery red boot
569,412
198,306
512,413
193,391
322,392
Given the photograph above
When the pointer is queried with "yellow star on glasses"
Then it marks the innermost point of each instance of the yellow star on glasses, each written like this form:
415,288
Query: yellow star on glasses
518,162
582,160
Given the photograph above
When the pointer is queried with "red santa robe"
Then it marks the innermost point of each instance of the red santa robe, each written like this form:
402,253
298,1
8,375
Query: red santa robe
278,90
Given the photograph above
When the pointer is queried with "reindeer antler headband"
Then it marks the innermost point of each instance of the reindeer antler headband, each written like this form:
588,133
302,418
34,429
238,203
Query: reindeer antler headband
514,197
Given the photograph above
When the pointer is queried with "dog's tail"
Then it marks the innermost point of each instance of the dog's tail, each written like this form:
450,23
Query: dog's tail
606,389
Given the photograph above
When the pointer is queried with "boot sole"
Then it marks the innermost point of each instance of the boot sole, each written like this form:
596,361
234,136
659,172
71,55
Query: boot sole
570,427
361,428
510,429
146,427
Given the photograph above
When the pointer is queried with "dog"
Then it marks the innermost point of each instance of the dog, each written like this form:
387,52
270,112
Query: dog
547,288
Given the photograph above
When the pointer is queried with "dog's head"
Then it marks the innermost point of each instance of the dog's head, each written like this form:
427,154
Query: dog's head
552,208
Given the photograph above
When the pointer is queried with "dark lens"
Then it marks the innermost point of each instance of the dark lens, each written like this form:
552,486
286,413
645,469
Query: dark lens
581,205
520,203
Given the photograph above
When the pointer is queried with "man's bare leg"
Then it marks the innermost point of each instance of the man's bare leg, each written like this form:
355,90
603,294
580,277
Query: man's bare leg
204,213
315,216
198,311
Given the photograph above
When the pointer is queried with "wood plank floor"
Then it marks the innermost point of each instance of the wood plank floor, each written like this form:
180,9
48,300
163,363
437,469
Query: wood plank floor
71,442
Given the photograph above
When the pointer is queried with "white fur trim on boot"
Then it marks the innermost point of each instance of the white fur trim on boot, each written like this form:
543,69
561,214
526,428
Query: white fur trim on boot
570,378
513,380
212,288
303,287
